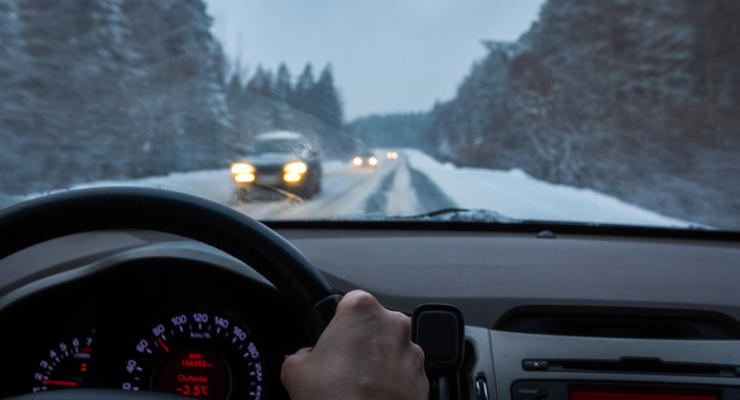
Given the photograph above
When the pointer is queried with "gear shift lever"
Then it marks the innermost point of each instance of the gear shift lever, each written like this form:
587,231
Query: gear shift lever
439,329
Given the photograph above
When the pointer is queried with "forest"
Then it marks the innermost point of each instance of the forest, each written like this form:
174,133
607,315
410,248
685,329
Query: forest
638,99
110,89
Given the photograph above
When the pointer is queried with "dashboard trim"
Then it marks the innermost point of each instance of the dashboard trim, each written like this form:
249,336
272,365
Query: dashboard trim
185,250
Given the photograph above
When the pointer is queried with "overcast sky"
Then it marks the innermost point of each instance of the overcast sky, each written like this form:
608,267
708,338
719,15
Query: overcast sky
386,55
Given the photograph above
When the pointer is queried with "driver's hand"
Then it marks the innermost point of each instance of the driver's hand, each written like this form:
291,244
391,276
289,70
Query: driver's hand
365,353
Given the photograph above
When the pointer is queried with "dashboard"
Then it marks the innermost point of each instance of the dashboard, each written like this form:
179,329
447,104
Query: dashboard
578,317
179,317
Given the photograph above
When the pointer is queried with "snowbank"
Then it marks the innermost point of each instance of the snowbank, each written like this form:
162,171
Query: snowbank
515,194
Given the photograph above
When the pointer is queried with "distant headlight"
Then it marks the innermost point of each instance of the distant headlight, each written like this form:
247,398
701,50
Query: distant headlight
244,177
298,167
357,161
373,161
241,168
292,177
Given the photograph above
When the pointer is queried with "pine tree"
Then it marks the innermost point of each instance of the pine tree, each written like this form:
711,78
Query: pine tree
283,83
301,100
261,100
325,100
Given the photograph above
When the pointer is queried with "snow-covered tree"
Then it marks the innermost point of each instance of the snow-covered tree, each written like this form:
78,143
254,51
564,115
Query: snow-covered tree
324,99
283,83
624,96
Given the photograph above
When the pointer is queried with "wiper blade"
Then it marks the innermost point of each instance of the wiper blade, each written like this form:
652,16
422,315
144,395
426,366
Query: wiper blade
455,214
441,211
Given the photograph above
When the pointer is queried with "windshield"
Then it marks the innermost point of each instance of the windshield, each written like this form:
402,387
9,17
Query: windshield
274,146
608,112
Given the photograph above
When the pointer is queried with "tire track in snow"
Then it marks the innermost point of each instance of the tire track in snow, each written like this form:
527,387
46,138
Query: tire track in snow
430,196
407,191
402,198
378,202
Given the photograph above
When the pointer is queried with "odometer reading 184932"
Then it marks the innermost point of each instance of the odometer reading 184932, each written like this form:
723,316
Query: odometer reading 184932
198,354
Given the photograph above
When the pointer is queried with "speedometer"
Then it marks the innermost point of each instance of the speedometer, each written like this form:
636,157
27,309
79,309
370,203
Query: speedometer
197,354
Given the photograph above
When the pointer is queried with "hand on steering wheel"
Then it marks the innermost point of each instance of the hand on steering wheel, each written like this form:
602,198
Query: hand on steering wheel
365,353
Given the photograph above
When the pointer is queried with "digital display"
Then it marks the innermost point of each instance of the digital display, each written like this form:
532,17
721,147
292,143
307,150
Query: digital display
633,393
194,373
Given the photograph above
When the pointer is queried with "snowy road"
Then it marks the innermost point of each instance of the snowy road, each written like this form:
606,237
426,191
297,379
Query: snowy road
416,183
393,188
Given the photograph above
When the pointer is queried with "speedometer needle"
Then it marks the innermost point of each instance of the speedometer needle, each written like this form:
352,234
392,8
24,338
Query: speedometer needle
164,346
59,383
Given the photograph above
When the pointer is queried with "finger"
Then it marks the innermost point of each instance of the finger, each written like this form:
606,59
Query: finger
418,356
301,353
422,388
413,359
290,364
402,324
359,300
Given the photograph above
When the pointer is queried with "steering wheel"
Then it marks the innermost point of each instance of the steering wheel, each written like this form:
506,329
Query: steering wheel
251,242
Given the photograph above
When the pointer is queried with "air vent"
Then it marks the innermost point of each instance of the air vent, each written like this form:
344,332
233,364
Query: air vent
642,365
620,323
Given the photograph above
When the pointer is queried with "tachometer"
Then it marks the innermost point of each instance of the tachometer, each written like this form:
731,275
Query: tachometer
197,354
67,364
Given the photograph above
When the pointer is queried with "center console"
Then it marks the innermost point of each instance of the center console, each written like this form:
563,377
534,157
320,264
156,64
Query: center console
523,366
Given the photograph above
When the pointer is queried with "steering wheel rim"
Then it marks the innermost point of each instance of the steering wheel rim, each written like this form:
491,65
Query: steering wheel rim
41,219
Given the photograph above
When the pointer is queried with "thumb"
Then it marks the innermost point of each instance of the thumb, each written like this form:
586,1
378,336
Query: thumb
291,365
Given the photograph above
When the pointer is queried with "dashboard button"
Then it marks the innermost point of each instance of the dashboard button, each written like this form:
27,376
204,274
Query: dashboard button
530,391
534,365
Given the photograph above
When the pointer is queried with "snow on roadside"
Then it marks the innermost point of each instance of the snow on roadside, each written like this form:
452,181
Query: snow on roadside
515,194
212,184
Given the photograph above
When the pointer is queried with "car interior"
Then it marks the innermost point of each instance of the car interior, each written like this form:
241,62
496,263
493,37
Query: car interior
124,288
542,195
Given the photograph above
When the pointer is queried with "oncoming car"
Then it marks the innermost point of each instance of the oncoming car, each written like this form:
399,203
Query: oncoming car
366,159
279,160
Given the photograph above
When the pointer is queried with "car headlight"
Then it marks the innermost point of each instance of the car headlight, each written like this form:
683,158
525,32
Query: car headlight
357,161
292,177
373,161
241,168
244,177
298,167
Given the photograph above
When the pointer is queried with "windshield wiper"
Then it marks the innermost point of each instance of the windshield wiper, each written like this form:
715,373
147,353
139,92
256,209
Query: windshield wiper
457,214
435,213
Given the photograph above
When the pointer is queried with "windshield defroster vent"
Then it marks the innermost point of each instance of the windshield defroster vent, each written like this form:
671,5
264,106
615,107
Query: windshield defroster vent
620,323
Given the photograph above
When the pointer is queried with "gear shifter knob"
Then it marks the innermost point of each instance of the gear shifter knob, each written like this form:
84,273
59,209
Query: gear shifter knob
439,329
